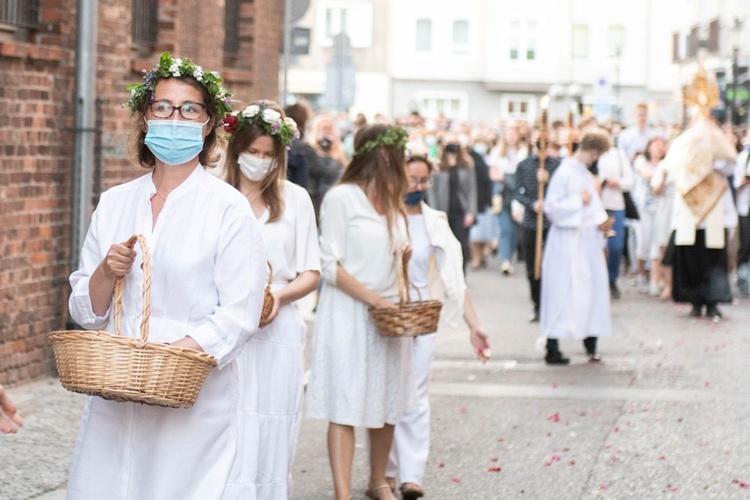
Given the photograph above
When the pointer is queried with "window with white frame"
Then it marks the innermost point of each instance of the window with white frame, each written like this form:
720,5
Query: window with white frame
460,36
424,35
580,42
340,16
517,106
451,104
522,41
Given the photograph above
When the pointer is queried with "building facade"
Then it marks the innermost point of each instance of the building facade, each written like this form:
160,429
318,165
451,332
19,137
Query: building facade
489,60
38,103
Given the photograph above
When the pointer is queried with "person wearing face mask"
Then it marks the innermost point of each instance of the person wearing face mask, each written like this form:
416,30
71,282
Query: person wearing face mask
454,191
485,231
208,275
436,264
271,366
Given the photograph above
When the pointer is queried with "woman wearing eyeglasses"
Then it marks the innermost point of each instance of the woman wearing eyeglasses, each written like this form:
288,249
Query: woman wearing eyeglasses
208,273
436,257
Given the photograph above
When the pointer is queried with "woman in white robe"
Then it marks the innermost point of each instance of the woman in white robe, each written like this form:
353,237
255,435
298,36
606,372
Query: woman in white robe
208,271
358,377
271,365
575,284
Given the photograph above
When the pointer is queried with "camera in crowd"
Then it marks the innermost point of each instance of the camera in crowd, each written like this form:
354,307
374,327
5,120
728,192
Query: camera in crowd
325,143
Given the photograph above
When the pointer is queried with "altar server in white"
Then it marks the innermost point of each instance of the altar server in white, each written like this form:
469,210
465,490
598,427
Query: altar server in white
575,286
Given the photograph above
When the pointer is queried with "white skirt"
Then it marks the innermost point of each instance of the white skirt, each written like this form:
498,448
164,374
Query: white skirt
358,377
271,368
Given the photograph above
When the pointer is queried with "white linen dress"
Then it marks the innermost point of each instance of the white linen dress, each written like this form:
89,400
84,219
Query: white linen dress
575,284
358,377
271,365
208,272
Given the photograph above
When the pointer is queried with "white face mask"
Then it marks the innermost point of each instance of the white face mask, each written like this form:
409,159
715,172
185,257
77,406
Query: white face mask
254,168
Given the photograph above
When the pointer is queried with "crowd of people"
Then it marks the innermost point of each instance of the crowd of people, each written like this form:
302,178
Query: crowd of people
336,209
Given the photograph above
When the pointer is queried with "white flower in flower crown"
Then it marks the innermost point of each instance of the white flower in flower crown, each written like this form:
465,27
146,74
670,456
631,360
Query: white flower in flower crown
198,74
251,110
289,121
271,116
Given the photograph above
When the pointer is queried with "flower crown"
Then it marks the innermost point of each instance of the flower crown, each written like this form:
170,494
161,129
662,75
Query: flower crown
170,67
395,137
267,119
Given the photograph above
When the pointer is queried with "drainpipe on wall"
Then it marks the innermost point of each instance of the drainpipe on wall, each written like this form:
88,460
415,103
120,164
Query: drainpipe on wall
85,126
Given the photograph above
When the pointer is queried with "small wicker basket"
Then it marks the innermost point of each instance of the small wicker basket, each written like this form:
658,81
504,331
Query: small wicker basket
268,299
126,369
408,318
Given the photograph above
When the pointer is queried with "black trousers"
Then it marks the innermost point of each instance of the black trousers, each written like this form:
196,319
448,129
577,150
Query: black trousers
743,256
528,243
456,223
589,343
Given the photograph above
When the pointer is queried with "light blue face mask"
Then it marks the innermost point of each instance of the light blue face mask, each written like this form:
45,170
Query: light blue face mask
174,141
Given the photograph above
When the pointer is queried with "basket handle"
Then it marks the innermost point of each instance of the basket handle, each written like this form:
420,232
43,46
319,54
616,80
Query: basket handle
270,272
120,283
402,280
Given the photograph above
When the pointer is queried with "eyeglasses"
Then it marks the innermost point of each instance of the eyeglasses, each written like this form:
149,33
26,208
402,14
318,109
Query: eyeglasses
189,110
425,182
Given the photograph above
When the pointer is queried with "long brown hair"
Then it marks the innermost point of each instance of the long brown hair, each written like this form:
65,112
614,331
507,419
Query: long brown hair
271,185
382,166
207,157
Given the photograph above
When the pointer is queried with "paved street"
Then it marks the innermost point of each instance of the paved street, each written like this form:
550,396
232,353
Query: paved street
666,415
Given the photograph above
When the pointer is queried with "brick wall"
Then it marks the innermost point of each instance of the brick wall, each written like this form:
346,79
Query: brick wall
37,81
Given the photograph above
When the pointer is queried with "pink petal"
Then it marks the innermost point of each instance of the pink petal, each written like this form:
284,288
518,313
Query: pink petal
456,480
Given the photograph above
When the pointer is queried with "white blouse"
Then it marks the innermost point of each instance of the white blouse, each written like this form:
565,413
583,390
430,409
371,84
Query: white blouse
292,241
207,263
354,235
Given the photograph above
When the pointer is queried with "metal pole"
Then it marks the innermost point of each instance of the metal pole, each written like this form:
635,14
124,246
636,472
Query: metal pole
287,49
85,100
733,100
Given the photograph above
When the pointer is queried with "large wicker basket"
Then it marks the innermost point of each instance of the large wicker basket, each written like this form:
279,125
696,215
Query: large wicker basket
408,318
128,369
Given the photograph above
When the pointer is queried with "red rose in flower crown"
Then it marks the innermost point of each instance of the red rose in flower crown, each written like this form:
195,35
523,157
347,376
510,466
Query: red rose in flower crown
229,123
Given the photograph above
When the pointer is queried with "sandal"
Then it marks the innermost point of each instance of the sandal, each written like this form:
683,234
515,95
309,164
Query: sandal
411,491
372,492
392,483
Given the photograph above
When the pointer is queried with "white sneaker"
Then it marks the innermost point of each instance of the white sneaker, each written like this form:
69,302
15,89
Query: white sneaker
654,290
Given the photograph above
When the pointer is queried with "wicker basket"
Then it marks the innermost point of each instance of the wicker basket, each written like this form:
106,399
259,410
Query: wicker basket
127,369
268,299
408,318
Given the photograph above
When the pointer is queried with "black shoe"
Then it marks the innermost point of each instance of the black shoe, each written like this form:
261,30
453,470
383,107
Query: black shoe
556,358
697,311
594,357
713,313
614,292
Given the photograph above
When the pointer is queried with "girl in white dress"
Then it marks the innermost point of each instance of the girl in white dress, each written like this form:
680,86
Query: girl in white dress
271,365
436,262
359,378
208,272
